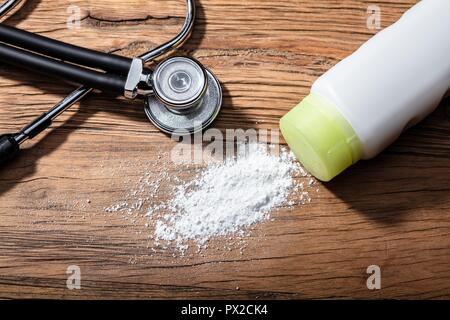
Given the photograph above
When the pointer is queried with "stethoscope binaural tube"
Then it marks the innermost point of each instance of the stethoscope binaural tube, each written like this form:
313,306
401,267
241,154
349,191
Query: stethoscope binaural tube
65,61
7,6
64,51
157,109
68,72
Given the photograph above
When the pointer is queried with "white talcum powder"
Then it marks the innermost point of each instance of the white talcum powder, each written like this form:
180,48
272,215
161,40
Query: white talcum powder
228,197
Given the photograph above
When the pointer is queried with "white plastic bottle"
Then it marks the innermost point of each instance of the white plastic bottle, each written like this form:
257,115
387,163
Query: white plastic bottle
366,101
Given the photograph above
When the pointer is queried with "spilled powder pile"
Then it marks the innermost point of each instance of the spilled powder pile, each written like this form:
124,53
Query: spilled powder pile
227,198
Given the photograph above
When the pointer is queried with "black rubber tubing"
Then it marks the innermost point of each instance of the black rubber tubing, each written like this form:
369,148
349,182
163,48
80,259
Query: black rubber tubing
68,72
64,51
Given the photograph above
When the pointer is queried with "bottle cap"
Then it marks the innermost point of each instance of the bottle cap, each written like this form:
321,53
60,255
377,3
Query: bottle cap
320,137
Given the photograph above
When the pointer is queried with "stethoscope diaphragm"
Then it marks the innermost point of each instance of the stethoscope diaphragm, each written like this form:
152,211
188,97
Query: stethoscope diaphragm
188,118
179,82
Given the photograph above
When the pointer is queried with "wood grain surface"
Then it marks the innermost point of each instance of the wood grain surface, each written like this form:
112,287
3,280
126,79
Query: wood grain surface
393,211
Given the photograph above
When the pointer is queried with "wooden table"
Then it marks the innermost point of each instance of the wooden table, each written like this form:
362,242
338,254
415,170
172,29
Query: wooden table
393,211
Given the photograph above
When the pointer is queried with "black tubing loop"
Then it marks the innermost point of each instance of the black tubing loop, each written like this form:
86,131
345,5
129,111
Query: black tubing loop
64,71
64,51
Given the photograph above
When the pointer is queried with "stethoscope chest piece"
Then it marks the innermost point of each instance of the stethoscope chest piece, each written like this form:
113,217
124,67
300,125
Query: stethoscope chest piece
187,97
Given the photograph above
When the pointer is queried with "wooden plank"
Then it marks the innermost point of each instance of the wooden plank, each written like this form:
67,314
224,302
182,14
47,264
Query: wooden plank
392,211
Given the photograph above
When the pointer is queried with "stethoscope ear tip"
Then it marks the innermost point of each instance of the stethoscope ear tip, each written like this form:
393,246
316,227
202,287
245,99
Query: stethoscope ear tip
9,147
181,120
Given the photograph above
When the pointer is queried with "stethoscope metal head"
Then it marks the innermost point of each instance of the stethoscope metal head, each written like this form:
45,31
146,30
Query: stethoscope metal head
187,97
179,82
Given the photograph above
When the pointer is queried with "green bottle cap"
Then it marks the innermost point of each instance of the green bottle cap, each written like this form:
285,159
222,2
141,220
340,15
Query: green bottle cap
320,137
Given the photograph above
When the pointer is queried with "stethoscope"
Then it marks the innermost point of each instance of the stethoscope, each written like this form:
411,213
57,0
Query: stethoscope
181,96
